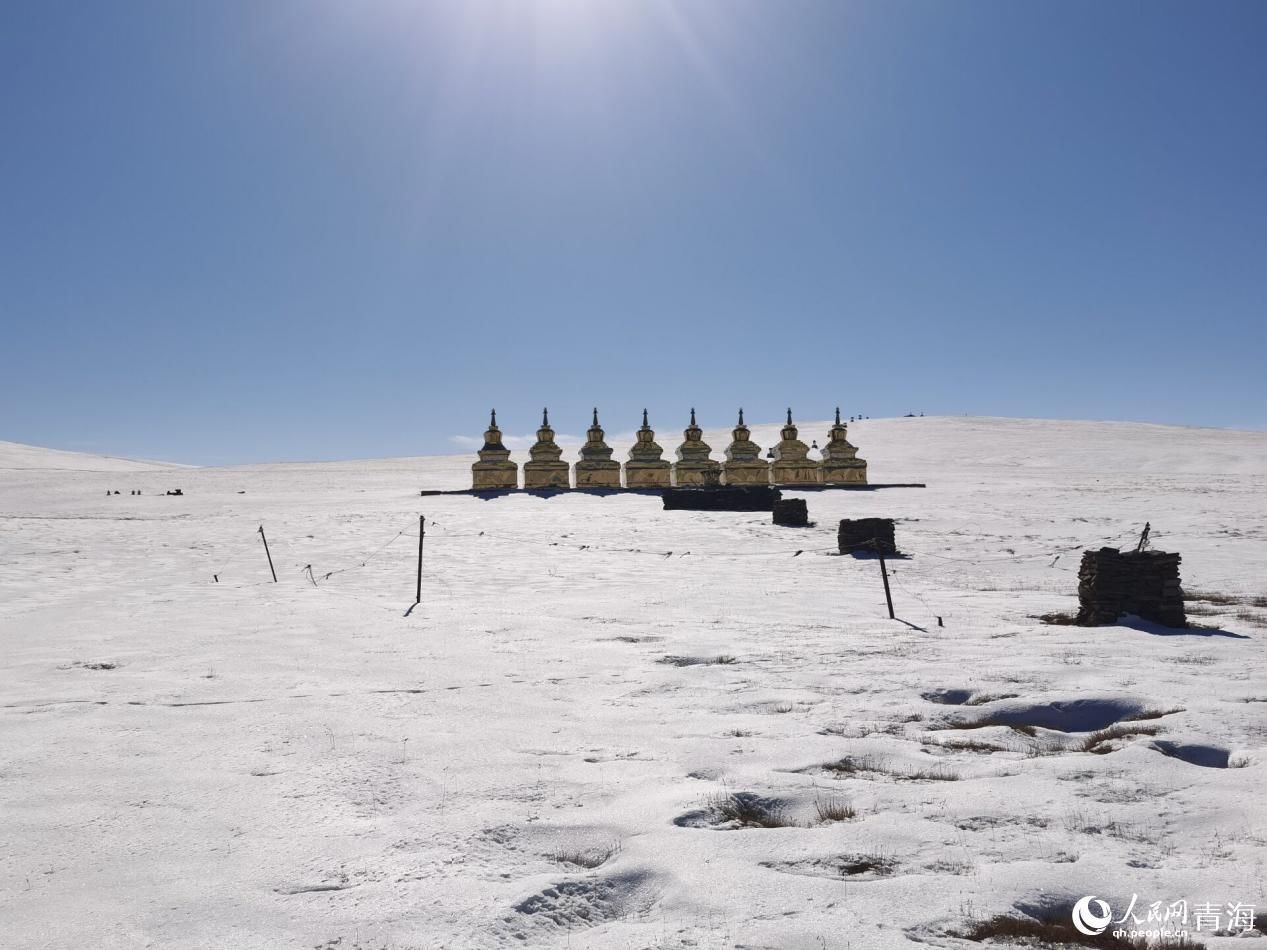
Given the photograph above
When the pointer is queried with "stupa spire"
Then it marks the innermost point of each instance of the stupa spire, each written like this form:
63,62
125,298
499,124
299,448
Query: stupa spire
744,464
841,465
595,468
547,469
646,468
494,470
694,467
792,464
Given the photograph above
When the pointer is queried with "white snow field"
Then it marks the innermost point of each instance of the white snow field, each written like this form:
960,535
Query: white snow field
578,737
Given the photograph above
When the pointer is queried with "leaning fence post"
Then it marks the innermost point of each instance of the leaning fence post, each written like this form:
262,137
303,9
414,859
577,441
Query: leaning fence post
266,554
884,574
422,533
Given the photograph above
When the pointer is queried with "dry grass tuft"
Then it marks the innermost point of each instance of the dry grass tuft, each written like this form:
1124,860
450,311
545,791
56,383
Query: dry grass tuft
1211,597
980,699
865,765
1097,742
865,729
589,858
833,809
1152,713
1193,659
1200,610
857,765
723,660
749,811
873,863
937,773
968,745
1058,619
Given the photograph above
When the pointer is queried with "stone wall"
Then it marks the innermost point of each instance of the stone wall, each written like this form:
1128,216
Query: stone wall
791,513
1145,583
721,499
866,534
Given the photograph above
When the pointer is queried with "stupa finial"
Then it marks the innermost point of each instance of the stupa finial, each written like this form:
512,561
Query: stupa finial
789,416
692,415
837,415
595,417
494,471
741,415
644,419
545,418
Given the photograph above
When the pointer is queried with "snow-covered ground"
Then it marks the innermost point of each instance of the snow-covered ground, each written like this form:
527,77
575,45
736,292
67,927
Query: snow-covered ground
547,752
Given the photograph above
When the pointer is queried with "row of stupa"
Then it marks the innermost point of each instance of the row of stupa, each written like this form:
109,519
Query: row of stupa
645,468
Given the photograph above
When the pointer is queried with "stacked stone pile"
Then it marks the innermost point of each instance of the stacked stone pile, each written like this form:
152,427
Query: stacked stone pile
791,513
866,534
1145,583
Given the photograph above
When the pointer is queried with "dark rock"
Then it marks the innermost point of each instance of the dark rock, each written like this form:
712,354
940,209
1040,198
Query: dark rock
736,498
866,534
791,513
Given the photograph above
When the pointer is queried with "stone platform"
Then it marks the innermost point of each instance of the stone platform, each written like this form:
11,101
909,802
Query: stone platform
550,492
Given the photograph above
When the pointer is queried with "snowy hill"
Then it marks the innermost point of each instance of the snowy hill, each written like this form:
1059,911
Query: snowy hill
607,725
15,455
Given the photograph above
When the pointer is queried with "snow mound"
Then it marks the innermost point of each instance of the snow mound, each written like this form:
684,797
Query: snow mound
592,901
16,456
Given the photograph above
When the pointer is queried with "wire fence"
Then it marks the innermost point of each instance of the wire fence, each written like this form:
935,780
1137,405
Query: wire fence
917,573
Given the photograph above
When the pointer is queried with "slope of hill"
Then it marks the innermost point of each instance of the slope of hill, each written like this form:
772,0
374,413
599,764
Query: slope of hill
15,455
607,725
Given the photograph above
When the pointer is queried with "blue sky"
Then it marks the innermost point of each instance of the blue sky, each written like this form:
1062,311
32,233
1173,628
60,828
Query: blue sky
240,231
